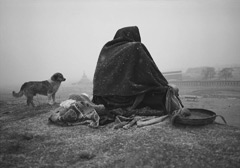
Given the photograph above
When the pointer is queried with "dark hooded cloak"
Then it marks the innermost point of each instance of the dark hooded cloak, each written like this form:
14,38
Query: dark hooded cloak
125,70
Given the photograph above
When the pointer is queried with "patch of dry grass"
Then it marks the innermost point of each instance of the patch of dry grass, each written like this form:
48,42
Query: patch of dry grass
27,140
30,141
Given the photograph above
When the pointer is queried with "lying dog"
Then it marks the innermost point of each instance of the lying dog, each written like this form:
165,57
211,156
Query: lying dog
47,88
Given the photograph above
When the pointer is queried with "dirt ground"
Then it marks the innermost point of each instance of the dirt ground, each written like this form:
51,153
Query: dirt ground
27,140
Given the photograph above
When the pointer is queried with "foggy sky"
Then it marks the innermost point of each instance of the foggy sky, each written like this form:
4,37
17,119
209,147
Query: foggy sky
41,37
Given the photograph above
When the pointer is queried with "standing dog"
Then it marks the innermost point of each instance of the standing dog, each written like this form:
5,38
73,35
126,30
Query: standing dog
47,88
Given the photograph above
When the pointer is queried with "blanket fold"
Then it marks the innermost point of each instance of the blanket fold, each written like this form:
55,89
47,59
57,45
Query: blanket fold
125,69
76,113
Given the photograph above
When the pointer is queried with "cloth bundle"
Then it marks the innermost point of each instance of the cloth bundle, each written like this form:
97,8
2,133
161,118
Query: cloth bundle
72,112
173,102
79,110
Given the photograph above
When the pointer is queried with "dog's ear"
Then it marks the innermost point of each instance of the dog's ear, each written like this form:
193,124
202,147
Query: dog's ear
55,77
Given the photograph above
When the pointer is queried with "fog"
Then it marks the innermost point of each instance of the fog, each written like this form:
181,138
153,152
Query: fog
41,37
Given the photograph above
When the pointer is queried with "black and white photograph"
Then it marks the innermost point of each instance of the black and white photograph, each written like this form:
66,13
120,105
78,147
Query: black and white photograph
120,83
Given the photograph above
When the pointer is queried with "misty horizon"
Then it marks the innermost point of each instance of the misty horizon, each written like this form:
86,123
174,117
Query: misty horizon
39,38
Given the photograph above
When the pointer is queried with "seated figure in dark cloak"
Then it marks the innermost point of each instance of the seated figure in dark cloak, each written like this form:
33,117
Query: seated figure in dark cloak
126,75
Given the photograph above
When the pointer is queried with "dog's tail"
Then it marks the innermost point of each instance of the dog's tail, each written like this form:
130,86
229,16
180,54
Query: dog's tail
20,93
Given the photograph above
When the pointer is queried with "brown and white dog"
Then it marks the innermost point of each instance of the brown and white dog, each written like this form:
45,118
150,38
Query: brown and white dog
47,88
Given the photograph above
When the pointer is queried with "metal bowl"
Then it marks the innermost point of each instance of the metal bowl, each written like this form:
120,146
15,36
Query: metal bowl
198,117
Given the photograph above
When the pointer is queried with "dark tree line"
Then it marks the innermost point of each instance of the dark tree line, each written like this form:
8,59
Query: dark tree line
226,73
210,73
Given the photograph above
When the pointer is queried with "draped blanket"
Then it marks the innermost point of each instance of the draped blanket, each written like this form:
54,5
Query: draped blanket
72,112
125,69
79,110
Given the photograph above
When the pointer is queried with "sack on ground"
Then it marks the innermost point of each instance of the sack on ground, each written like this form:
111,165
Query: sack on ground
73,112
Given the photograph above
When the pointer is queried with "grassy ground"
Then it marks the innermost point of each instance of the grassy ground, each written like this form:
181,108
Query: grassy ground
27,140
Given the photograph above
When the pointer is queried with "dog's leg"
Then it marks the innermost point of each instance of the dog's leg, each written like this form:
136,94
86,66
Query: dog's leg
53,97
30,101
50,99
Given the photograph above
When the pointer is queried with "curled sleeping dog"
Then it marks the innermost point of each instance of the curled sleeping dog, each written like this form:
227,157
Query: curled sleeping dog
47,88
